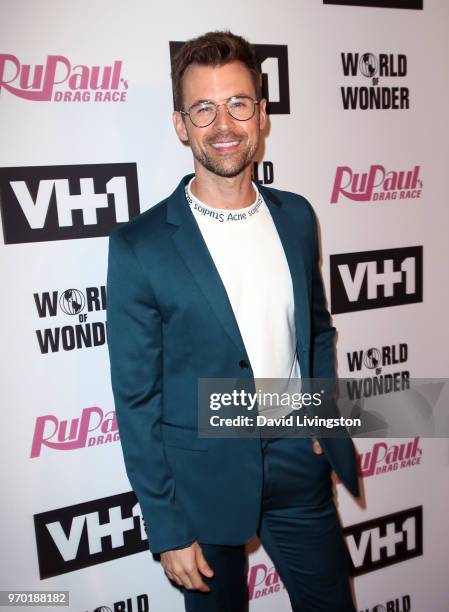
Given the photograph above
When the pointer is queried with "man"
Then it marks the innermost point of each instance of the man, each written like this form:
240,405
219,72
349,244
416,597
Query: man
221,280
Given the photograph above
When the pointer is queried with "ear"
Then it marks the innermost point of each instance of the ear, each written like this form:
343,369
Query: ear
262,114
180,126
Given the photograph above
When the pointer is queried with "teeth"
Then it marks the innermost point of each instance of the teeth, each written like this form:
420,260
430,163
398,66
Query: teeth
221,145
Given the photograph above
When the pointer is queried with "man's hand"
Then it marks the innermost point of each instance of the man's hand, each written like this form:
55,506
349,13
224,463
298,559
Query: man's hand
316,446
185,566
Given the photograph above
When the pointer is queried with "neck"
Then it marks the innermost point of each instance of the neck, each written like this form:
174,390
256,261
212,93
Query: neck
223,192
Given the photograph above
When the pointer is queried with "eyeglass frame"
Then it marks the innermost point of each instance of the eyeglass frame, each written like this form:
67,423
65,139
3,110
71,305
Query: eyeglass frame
225,103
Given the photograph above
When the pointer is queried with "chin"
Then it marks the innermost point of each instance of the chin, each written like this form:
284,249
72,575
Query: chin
228,171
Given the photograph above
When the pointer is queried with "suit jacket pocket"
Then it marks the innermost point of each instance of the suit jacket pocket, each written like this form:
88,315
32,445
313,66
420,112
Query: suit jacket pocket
181,437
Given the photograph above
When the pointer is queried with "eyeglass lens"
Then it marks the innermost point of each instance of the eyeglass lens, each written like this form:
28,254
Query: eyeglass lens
204,113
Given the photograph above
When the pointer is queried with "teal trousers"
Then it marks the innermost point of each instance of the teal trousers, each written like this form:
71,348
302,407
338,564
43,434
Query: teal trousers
300,530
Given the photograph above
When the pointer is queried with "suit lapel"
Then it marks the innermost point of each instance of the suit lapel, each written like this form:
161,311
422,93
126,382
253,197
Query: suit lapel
292,248
191,246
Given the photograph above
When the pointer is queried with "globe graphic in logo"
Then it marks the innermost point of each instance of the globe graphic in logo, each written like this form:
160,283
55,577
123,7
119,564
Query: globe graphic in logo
72,301
103,609
371,358
368,64
379,608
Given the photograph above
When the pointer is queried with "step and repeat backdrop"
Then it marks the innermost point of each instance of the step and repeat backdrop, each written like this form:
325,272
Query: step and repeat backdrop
359,125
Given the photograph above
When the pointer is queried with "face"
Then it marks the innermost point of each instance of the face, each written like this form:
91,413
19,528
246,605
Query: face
226,146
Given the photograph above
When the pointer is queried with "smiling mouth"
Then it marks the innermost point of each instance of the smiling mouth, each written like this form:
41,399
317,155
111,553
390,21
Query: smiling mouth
225,144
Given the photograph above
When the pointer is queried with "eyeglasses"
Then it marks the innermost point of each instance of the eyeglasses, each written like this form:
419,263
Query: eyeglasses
204,113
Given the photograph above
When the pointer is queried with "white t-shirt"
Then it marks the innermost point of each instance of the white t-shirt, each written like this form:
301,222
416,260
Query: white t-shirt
250,259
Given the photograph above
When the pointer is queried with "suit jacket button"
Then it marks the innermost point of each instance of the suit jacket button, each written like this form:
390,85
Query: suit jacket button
243,364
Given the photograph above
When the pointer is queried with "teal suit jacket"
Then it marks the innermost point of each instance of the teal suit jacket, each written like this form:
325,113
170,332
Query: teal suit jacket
169,323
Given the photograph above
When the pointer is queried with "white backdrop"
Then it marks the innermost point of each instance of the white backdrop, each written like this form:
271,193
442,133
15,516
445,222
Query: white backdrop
89,545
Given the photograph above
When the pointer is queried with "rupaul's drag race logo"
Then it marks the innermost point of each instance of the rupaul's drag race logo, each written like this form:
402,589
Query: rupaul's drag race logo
93,428
383,458
59,80
376,184
263,580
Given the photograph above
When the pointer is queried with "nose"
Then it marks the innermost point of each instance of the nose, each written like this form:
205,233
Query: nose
223,119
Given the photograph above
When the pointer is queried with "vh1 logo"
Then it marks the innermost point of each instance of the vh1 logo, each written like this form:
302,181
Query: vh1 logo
89,533
376,279
385,540
43,203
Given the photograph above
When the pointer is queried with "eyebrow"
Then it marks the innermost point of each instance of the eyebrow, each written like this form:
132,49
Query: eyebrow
236,95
